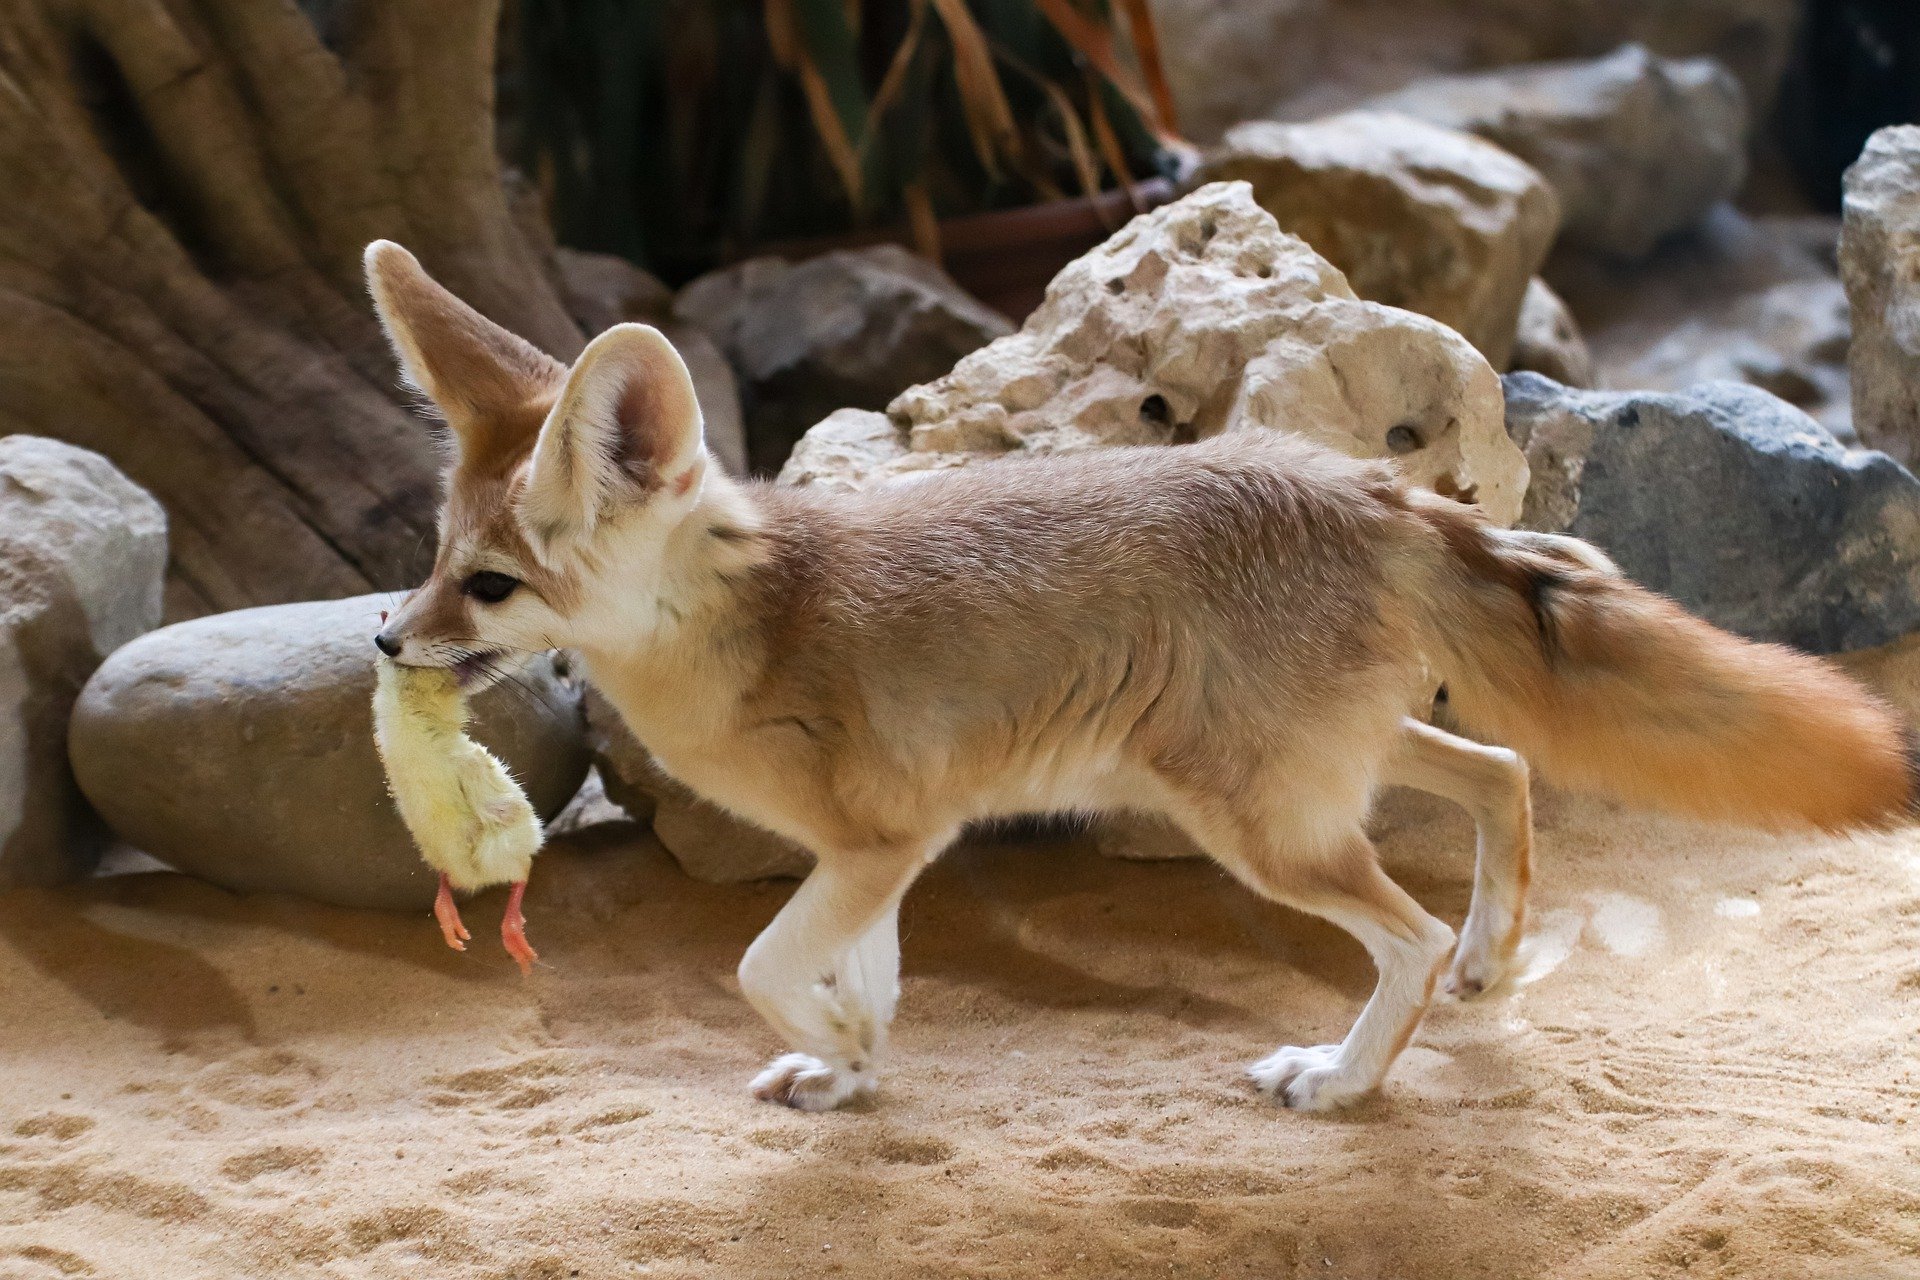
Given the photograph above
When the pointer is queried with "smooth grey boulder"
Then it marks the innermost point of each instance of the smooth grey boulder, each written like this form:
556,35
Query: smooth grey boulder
1732,502
848,329
83,551
239,748
1880,262
1636,146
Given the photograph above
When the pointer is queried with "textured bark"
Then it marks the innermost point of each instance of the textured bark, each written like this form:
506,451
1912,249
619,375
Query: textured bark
188,185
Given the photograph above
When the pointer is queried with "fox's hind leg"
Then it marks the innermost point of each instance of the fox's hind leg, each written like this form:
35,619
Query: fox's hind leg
1340,881
1490,783
826,975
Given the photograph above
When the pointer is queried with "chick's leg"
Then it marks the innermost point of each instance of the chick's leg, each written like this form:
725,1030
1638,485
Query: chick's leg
513,930
449,916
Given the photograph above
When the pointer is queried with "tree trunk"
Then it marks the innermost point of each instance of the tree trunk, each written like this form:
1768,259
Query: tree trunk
188,185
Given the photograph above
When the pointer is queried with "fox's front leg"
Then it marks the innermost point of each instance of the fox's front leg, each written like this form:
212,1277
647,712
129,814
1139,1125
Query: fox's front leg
826,975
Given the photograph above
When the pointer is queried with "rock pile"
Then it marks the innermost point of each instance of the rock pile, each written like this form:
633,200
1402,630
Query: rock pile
1354,266
1199,318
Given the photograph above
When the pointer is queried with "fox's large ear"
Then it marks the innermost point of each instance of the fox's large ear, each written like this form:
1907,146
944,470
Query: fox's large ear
475,371
627,425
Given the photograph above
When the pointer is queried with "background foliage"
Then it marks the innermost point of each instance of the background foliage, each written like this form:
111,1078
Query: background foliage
686,132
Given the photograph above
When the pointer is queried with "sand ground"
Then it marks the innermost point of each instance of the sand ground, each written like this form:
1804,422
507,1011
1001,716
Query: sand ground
1714,1073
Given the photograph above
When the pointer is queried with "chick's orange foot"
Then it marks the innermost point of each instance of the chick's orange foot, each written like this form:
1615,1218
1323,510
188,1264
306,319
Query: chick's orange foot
449,916
513,930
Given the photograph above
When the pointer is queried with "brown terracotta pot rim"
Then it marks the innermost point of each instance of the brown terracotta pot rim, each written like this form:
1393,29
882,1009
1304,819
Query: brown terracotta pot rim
996,229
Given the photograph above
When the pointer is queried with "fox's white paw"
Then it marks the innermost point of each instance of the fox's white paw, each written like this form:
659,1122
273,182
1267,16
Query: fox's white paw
804,1081
1482,966
1306,1079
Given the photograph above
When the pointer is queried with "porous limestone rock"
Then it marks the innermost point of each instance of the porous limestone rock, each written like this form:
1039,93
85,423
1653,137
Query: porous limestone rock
1732,502
82,554
852,328
845,450
1199,318
1416,216
1636,146
1548,340
1880,262
239,748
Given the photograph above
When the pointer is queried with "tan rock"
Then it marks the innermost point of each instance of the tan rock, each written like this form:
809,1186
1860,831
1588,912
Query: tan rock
1417,216
1739,299
1142,837
1199,318
1548,341
1880,262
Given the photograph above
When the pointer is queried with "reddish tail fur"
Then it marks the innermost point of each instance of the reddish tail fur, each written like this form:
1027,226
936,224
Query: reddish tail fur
1609,687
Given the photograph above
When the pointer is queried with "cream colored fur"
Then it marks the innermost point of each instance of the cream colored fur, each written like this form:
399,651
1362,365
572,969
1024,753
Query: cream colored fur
1236,634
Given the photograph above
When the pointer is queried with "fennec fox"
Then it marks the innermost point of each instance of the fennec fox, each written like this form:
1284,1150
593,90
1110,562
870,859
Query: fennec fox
1233,633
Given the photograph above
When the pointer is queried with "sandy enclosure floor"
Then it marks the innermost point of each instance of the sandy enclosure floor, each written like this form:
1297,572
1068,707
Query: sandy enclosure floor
1715,1073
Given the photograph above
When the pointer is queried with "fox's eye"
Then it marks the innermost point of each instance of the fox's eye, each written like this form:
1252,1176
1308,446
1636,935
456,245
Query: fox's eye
489,587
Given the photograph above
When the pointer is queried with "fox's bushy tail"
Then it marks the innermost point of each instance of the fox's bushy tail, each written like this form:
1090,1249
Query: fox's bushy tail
1606,686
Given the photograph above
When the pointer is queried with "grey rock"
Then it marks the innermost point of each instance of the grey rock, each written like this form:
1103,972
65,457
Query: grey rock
1880,262
628,775
1739,298
82,554
1233,60
849,329
1732,502
602,290
1637,146
239,748
713,845
708,842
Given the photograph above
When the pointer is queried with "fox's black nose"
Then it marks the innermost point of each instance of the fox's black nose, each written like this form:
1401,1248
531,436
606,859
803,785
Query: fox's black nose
389,647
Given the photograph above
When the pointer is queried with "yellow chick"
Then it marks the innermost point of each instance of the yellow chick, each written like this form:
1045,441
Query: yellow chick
472,822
